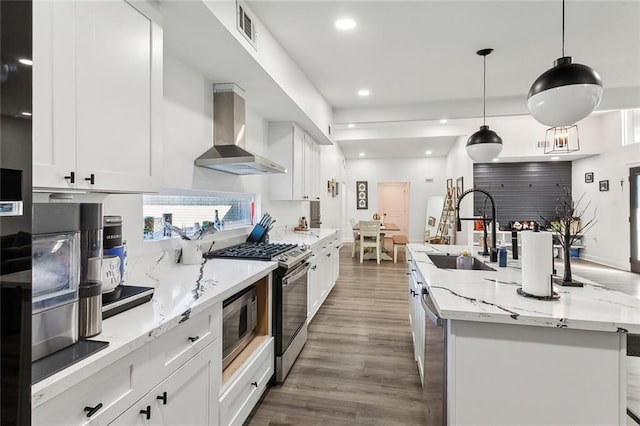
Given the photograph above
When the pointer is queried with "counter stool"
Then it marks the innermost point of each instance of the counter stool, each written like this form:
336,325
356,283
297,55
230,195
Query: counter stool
399,241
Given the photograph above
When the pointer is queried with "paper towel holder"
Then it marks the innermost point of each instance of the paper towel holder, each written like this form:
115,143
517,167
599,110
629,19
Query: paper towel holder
554,295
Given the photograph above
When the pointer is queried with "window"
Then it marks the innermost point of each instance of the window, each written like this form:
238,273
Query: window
631,126
193,209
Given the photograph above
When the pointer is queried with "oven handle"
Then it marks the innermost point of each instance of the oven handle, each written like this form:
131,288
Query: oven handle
295,274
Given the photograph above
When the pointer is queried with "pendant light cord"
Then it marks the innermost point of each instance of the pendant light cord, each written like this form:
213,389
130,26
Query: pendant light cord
484,91
563,28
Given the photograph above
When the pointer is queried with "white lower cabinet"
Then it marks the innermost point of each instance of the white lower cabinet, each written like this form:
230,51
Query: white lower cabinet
322,274
243,393
187,397
101,397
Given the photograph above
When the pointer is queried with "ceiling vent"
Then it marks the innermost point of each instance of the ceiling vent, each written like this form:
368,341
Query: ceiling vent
246,24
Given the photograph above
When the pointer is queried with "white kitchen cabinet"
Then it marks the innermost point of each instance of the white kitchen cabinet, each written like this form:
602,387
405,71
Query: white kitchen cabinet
416,315
101,397
187,397
97,96
243,393
323,273
300,154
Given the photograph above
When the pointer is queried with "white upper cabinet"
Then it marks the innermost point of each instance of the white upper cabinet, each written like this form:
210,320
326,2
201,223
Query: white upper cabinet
97,96
300,154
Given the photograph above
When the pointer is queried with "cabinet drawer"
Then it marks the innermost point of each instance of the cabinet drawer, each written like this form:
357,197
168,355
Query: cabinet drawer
180,344
243,394
116,387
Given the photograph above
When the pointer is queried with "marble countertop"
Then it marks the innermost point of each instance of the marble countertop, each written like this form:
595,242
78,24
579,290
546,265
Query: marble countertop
180,290
310,237
489,296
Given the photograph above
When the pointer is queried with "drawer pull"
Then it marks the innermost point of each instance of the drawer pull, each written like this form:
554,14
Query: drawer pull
91,179
193,339
254,384
163,398
92,410
147,412
71,178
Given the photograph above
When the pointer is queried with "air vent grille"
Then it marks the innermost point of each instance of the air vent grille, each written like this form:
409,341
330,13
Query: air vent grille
541,144
246,24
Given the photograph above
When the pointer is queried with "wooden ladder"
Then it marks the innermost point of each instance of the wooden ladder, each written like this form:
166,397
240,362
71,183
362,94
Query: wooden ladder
446,219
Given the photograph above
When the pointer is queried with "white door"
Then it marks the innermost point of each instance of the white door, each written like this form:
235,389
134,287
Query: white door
393,204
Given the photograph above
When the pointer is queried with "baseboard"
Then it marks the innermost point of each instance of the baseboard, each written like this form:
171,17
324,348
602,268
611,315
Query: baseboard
606,262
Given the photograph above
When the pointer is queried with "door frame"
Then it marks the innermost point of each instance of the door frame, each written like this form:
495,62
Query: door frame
634,219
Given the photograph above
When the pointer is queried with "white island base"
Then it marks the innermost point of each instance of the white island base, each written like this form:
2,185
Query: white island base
504,374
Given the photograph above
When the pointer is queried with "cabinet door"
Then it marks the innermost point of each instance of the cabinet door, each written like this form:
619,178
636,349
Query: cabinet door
299,190
187,397
119,95
315,173
308,167
54,94
313,287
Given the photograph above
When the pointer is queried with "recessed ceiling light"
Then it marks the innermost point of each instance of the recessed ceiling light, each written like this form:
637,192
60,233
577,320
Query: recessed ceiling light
428,152
495,160
363,92
555,158
25,61
351,126
444,120
345,24
26,114
362,154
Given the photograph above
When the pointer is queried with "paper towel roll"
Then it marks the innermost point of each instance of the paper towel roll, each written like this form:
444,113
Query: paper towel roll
537,263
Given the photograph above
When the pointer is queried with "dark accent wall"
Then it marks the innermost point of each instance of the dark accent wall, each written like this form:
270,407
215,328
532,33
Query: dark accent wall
522,191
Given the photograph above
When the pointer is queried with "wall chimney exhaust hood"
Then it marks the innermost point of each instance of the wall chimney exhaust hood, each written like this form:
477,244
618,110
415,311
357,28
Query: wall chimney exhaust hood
228,153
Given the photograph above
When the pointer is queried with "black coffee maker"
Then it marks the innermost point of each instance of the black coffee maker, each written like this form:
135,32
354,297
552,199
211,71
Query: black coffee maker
112,249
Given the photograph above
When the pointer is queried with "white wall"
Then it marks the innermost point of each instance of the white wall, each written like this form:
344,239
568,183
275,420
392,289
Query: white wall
412,170
332,209
459,164
608,242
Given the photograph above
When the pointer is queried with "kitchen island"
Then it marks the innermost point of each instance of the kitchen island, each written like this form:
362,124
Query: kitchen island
513,360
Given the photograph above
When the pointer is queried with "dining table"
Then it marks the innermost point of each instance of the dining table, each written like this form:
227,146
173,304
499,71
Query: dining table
385,227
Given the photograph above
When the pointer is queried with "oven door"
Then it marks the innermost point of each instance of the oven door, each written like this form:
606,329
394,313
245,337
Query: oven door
292,312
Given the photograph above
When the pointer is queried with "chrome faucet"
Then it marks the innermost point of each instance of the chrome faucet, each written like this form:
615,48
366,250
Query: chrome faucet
493,255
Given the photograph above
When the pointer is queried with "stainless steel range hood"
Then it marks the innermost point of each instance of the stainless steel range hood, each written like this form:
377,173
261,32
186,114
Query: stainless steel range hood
228,153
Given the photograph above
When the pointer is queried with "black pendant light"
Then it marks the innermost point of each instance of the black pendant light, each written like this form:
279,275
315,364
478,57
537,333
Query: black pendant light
566,93
484,145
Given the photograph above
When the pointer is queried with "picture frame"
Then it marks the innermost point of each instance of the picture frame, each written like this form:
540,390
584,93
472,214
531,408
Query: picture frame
588,177
432,221
450,196
604,185
459,187
362,195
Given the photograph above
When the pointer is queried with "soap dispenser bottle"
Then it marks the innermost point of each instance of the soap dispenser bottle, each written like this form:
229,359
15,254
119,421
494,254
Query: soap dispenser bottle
464,261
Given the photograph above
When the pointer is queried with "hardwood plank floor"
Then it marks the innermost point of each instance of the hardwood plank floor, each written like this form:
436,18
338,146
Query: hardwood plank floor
357,367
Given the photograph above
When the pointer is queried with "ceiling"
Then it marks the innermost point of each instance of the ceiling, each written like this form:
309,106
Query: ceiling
418,58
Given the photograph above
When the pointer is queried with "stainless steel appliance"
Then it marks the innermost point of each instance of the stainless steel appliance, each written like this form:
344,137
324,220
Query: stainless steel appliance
90,299
56,277
435,362
289,295
15,229
239,317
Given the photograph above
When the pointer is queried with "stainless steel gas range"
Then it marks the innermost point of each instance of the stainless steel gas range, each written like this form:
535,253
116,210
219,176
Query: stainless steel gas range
289,295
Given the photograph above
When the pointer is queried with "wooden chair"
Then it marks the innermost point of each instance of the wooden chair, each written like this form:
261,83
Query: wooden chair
356,238
400,241
369,237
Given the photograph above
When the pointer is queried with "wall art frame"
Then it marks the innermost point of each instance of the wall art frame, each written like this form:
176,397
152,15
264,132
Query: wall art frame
362,195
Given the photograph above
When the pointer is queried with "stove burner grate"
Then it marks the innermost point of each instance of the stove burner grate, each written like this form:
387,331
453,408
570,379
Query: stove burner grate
255,251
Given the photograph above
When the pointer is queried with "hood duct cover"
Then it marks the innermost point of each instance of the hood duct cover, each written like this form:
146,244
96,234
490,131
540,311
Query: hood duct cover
228,153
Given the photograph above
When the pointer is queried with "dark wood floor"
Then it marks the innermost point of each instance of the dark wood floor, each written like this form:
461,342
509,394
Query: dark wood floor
357,367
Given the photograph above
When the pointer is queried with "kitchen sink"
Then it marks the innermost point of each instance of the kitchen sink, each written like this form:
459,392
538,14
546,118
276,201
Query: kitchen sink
446,261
